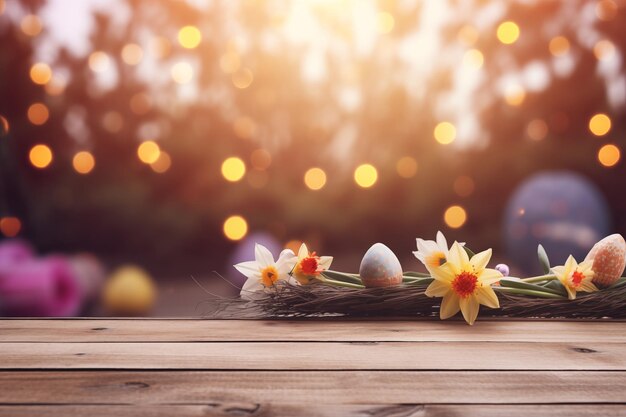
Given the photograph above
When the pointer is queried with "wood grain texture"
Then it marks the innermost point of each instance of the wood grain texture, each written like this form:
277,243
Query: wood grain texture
316,356
325,410
186,330
311,388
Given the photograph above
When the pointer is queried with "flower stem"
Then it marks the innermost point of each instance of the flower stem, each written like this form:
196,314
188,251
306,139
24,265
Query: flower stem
342,276
535,293
539,278
340,283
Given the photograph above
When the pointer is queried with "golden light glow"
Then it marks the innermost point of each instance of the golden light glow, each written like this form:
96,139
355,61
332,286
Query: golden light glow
31,25
455,216
56,86
365,175
468,35
514,95
40,156
162,164
160,47
242,78
606,10
260,159
508,32
600,124
38,113
4,126
230,62
132,54
182,72
233,169
315,178
559,46
244,127
83,162
537,129
189,37
445,133
148,152
40,73
464,186
604,49
473,59
294,245
385,22
10,226
235,228
609,155
140,103
99,61
406,167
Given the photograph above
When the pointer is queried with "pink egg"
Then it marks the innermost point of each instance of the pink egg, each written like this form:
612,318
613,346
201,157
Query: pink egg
609,259
380,267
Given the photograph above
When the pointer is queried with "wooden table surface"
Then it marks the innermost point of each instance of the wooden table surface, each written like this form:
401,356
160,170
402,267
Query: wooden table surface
180,367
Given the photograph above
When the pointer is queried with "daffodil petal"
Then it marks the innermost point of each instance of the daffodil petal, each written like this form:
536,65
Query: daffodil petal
284,266
445,272
419,255
442,242
571,293
437,289
248,268
588,286
469,308
558,270
325,262
263,256
490,276
449,306
458,258
252,290
480,260
487,296
303,252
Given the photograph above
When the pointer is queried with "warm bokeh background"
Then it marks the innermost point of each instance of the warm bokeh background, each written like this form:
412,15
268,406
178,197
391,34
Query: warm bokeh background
172,134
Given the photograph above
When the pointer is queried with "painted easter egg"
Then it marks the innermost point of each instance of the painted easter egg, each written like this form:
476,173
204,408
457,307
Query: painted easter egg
380,267
609,259
129,291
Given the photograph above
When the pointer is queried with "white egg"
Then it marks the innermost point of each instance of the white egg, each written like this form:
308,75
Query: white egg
609,259
380,267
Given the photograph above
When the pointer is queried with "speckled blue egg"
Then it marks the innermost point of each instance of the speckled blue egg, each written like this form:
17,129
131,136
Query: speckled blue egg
380,267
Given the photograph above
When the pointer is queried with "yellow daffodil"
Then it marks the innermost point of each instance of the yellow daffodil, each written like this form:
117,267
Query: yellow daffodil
464,283
575,276
309,266
263,273
432,253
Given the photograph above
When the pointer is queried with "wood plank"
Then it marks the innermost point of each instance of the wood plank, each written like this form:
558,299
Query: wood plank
316,356
315,388
124,330
325,410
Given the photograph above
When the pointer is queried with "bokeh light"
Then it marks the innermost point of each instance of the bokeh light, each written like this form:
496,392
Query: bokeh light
10,226
83,162
235,227
468,35
609,155
606,10
260,159
132,54
182,72
473,59
537,129
31,25
445,133
40,73
385,22
40,156
604,49
230,62
4,126
365,175
514,95
189,37
464,186
233,169
508,32
244,127
455,216
600,124
148,152
162,164
38,113
406,167
140,103
112,121
56,86
559,46
99,61
242,78
315,178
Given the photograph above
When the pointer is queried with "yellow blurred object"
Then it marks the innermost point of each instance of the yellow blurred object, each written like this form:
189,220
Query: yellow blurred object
129,291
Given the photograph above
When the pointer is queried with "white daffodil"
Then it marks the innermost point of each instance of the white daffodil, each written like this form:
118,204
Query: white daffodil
263,273
432,253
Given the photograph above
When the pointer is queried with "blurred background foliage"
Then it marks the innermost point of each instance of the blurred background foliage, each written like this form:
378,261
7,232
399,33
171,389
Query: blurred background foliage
450,104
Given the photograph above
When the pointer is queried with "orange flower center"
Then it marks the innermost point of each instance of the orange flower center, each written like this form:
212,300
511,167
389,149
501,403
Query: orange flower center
309,265
577,278
269,276
464,284
436,259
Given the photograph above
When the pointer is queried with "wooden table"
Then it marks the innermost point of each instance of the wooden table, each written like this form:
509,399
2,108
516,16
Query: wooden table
182,367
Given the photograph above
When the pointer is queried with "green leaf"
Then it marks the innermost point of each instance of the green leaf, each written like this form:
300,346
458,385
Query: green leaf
469,252
543,259
513,283
341,276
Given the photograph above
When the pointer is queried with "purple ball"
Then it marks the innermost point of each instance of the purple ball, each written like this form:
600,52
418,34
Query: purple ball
503,269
